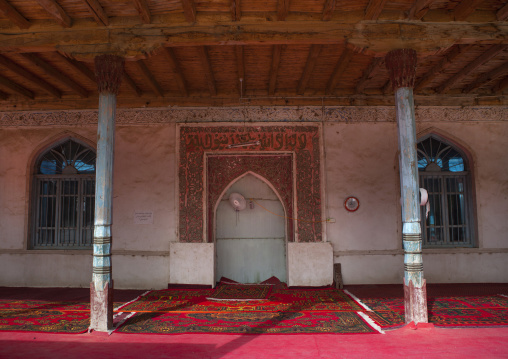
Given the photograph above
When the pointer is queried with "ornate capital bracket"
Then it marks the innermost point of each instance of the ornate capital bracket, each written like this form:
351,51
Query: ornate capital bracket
108,72
401,65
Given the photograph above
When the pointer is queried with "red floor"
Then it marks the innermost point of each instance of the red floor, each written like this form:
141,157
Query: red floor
420,343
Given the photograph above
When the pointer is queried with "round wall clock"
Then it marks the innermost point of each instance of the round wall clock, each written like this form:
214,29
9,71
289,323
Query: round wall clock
352,204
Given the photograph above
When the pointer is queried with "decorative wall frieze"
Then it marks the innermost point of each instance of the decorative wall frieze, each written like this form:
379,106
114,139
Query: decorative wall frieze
253,114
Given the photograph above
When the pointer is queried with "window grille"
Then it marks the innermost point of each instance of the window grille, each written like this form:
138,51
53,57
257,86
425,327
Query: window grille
64,198
443,172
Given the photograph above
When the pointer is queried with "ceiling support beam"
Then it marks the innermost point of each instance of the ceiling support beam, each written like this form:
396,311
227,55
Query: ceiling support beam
374,9
340,67
480,60
143,11
56,11
487,77
12,14
189,10
502,14
11,85
328,10
419,9
368,73
240,69
12,66
207,66
97,11
236,11
174,67
80,67
450,57
282,9
465,8
131,84
149,77
55,74
274,69
309,68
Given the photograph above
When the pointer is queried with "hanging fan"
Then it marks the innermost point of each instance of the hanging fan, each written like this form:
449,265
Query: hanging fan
237,201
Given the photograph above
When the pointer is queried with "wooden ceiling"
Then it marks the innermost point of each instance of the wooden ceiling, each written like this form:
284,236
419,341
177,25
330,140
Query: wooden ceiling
251,52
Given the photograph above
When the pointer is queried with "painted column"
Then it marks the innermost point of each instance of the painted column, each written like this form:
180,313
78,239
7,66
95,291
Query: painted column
401,65
108,71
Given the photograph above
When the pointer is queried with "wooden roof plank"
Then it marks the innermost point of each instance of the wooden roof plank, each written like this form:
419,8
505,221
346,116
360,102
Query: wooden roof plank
274,68
143,11
177,71
340,67
97,11
501,86
12,66
487,77
207,66
13,86
419,9
448,58
282,9
145,71
12,14
465,8
131,84
189,10
80,67
56,11
374,9
367,74
309,68
55,74
502,14
240,68
3,95
328,9
480,60
236,11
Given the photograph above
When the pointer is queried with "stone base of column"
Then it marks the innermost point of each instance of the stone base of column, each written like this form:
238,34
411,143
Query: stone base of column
101,308
415,303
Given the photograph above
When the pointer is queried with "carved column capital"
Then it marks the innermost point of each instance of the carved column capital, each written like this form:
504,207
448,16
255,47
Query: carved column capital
401,65
108,72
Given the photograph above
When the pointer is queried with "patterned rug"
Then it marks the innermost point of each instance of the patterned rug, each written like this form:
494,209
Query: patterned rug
241,292
470,311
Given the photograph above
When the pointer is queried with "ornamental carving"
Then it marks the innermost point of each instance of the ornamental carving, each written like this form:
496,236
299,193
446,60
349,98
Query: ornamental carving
302,142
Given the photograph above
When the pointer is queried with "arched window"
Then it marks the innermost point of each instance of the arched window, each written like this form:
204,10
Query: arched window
64,197
445,173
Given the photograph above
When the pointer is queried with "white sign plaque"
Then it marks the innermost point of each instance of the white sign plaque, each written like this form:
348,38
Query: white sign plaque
143,217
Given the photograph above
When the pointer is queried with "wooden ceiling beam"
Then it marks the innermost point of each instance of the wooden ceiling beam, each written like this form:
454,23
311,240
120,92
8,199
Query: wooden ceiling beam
309,68
97,11
368,73
148,76
55,74
56,11
501,86
340,67
419,9
240,69
12,66
236,11
13,86
502,14
131,84
465,8
479,61
12,14
487,77
174,66
374,9
448,58
80,67
189,10
282,9
143,11
328,10
274,68
207,66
